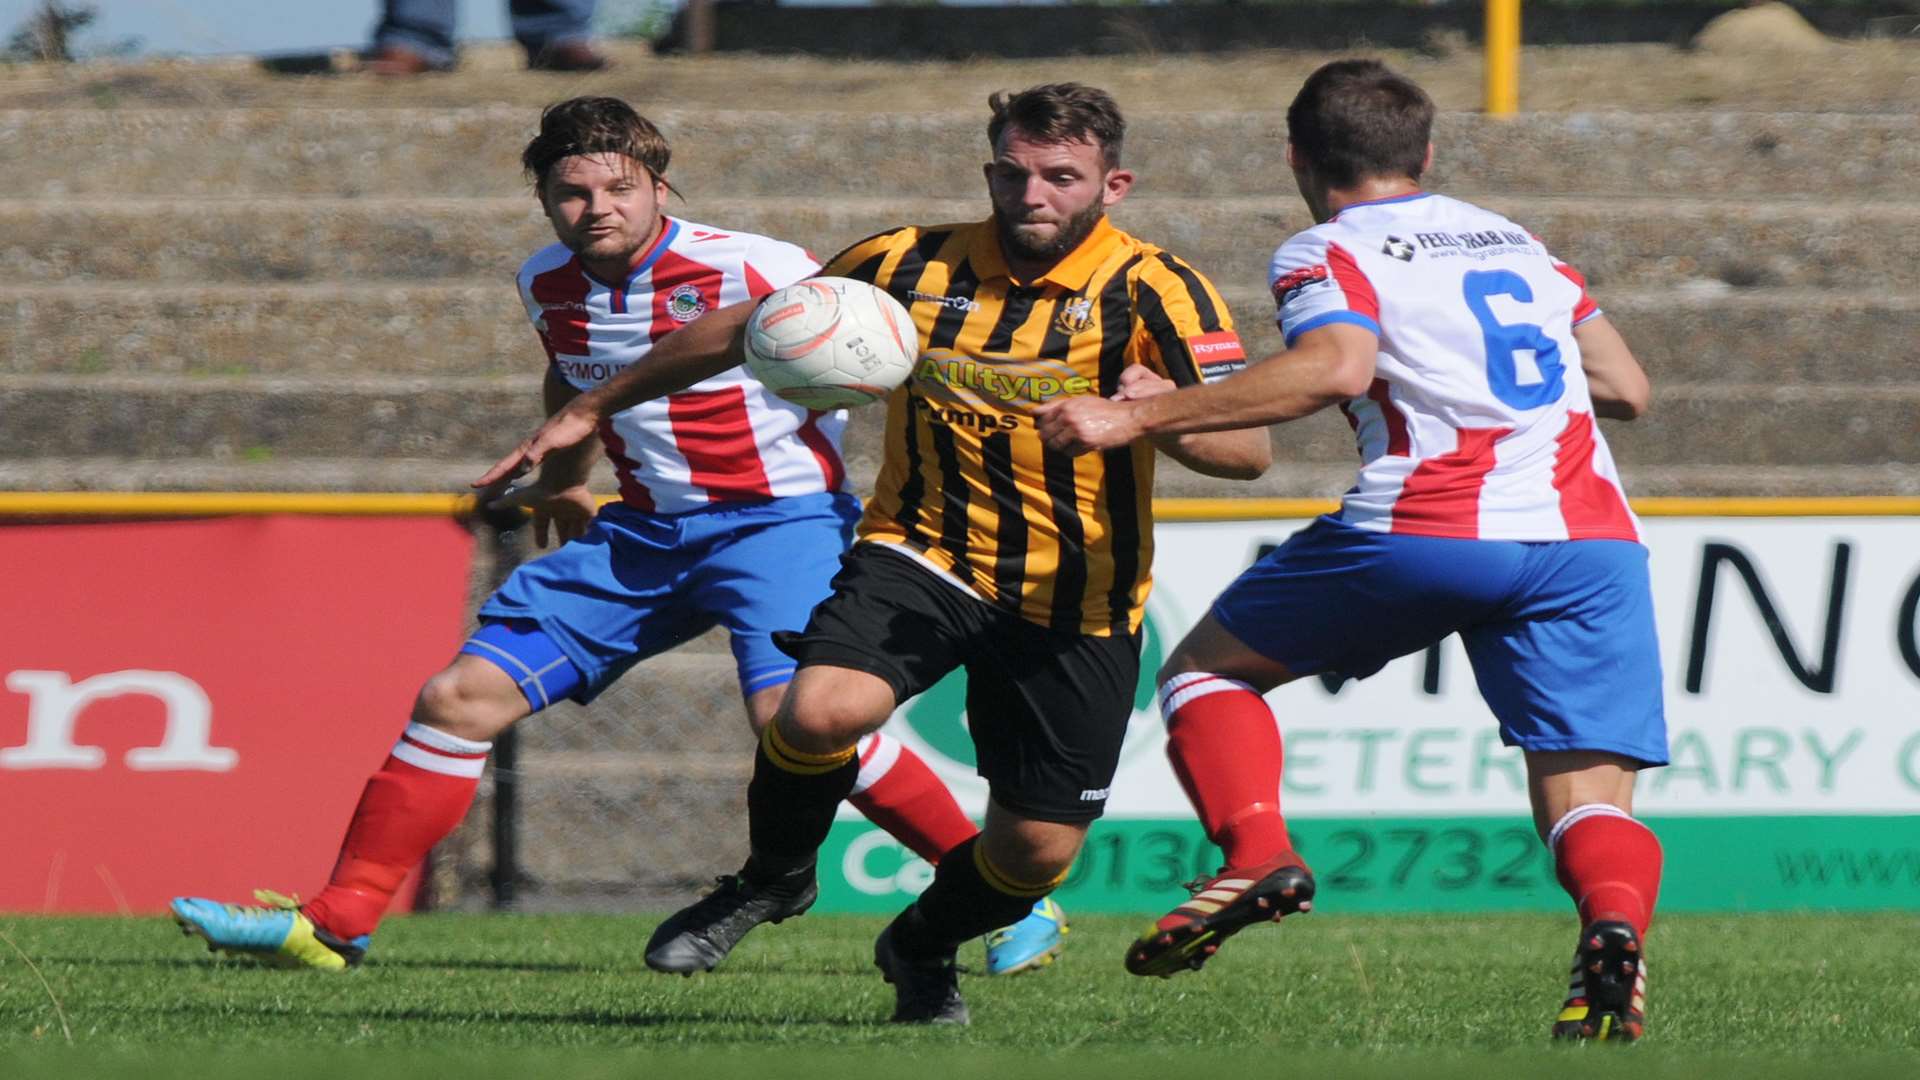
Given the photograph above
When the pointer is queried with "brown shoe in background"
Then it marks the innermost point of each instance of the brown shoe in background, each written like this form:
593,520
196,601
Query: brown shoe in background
567,56
398,60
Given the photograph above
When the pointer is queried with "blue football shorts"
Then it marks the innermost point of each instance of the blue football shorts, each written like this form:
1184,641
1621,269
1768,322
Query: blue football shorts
637,584
1560,634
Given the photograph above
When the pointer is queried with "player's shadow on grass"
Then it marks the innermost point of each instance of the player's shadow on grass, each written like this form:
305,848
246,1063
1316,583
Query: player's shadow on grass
530,967
674,1014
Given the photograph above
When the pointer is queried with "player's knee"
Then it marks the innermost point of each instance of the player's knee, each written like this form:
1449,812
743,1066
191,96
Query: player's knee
453,701
820,716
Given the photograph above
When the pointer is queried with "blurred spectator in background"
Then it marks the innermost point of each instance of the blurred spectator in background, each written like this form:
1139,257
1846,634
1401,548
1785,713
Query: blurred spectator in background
416,36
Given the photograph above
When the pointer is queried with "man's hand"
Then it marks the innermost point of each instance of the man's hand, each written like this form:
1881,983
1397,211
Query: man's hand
1138,382
1080,425
571,426
565,512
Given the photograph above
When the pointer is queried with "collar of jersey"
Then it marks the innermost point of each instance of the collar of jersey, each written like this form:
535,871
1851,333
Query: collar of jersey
670,228
1071,273
1385,201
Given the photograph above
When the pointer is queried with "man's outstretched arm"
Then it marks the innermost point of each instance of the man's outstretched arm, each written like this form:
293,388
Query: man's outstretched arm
703,348
1326,366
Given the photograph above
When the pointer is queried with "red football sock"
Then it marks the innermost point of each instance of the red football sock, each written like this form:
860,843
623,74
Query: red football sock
416,799
898,792
1609,863
1225,748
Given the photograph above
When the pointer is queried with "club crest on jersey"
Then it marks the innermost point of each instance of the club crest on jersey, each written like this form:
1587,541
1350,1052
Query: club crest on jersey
1398,248
685,304
1293,281
1075,315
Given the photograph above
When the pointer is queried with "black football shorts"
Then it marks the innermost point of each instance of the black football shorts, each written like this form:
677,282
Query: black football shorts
1048,709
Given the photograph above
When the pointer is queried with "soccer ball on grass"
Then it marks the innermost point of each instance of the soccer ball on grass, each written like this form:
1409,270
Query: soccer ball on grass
831,343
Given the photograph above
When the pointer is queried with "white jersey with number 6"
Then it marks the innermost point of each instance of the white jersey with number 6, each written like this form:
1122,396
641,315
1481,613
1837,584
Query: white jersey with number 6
1478,423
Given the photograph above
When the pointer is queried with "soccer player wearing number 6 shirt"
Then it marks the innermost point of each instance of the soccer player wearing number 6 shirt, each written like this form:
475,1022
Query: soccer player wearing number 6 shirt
732,512
1471,364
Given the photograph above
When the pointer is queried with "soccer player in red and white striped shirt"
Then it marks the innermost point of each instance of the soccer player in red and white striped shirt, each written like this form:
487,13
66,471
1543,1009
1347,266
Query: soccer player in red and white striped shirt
733,512
1471,364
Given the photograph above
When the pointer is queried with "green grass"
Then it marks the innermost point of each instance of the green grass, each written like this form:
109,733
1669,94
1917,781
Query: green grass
482,996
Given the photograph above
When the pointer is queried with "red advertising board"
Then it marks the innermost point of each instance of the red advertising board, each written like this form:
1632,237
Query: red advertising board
192,707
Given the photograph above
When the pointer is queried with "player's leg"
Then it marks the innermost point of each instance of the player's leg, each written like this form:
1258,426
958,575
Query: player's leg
417,796
775,564
805,764
986,882
1225,747
1333,598
562,626
1048,713
878,639
1574,677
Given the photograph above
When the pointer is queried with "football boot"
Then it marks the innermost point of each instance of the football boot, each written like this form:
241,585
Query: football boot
1607,999
924,991
1029,944
1220,907
699,936
276,932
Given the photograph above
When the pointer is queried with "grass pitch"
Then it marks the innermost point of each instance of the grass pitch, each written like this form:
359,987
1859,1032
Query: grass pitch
484,996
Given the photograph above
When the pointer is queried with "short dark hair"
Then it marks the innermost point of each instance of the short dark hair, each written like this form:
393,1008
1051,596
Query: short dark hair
1357,118
1061,113
594,125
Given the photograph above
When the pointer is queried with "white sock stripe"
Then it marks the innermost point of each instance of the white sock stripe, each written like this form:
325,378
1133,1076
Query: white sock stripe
1581,813
470,768
435,739
886,751
1181,689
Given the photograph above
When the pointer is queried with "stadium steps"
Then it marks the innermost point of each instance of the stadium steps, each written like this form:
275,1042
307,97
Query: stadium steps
468,152
1616,241
193,418
1706,332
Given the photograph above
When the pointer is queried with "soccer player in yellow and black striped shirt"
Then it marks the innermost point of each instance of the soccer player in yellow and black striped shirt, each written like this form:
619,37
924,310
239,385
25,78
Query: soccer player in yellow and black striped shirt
981,548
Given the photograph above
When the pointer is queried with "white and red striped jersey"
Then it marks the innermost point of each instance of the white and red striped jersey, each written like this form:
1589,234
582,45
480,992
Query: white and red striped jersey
1478,423
725,439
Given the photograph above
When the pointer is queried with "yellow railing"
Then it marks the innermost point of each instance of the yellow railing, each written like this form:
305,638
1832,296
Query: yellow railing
38,504
1503,57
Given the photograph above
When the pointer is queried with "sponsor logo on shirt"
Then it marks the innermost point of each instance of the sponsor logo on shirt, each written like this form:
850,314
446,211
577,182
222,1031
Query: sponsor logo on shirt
592,372
1293,281
1398,248
685,304
1075,315
958,303
1483,240
1218,354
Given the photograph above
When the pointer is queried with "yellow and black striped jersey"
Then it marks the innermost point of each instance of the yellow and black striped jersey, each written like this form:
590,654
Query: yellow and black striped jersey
966,484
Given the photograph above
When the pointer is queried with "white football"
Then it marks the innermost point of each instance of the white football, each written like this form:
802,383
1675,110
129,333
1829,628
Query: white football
831,343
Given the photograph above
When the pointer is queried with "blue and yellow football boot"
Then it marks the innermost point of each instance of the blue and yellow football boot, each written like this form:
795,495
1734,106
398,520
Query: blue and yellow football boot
276,933
1029,944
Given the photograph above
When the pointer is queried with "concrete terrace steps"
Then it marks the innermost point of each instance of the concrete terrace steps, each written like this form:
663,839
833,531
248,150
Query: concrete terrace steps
1617,242
476,327
190,418
63,153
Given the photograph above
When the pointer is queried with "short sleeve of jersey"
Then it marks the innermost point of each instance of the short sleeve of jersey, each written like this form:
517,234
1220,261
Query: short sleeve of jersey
862,261
776,264
535,313
1188,331
1584,308
1317,283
